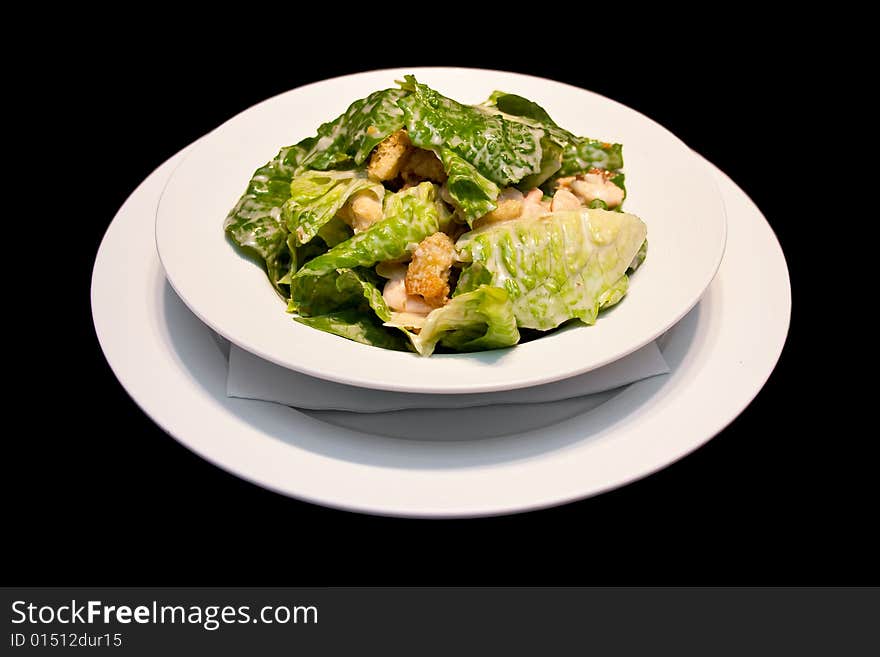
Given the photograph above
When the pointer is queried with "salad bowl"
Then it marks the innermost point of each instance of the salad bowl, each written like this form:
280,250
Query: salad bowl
667,187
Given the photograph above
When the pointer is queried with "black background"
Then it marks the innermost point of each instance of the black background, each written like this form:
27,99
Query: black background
97,494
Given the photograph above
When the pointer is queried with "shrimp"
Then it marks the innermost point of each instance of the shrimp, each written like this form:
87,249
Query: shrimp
594,185
564,200
395,296
534,204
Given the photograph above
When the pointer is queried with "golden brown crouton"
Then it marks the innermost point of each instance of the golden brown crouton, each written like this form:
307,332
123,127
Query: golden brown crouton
420,165
361,211
507,209
428,273
509,205
389,155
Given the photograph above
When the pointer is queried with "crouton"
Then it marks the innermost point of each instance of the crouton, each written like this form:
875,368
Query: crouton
421,164
507,209
428,273
508,206
361,211
389,155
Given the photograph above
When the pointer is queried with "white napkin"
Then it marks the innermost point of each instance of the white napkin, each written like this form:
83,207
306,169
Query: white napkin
251,377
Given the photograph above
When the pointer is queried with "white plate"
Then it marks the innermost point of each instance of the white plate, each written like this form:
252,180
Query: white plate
669,187
172,367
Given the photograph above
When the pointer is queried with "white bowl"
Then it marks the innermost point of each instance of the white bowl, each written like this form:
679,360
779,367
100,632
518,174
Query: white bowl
667,187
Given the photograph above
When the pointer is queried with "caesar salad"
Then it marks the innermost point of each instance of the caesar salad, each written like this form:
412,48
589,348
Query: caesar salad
414,222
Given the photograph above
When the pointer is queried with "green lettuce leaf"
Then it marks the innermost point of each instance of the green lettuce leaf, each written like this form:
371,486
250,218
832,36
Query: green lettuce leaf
348,303
640,258
519,106
410,216
479,320
335,232
350,137
335,290
316,197
554,268
300,255
584,154
297,255
255,222
614,293
502,150
474,194
359,326
550,164
579,154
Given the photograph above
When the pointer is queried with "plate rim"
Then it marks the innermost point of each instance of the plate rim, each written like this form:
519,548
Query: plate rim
373,381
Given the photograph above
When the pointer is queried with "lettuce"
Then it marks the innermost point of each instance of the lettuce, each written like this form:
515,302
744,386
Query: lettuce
359,326
316,197
502,150
479,320
410,216
333,290
529,273
474,194
255,222
579,154
550,164
557,267
350,137
348,303
640,257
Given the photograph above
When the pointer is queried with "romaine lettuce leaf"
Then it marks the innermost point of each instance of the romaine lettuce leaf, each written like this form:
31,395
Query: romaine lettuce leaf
348,303
316,197
555,267
334,232
335,290
519,106
550,164
255,221
302,254
473,193
503,151
614,293
579,153
584,154
479,320
640,257
297,255
351,136
410,216
359,326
